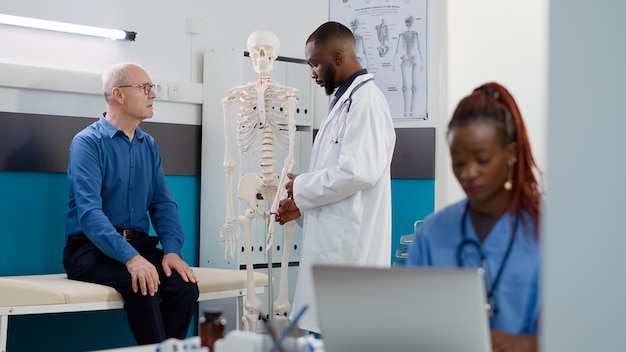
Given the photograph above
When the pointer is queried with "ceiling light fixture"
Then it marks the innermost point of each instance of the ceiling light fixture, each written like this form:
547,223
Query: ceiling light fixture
116,34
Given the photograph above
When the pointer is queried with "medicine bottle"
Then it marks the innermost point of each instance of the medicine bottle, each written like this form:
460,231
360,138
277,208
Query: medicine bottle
212,326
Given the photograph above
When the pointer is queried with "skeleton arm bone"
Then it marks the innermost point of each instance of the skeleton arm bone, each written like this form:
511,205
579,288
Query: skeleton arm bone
419,51
395,54
228,232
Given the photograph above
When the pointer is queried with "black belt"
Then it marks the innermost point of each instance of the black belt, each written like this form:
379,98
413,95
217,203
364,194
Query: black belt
132,235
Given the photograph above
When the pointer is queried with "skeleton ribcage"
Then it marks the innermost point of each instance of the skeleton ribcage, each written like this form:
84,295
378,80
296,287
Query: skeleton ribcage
267,116
263,110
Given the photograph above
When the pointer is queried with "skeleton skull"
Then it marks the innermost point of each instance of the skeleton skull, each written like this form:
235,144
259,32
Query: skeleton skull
263,47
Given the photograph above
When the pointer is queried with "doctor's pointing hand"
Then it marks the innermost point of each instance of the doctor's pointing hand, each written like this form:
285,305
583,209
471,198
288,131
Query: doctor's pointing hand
289,184
287,209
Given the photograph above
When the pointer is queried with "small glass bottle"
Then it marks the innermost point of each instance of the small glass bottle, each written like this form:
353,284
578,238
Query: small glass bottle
212,326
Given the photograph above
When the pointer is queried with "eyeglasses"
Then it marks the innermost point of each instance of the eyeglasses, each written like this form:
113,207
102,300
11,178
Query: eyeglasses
147,87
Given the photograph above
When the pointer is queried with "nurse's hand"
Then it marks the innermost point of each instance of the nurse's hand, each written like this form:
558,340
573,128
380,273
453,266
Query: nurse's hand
287,211
289,185
503,342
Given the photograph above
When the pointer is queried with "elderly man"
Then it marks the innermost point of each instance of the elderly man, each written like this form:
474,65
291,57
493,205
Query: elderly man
116,188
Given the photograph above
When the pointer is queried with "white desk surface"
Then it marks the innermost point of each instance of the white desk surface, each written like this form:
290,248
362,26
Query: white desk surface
165,346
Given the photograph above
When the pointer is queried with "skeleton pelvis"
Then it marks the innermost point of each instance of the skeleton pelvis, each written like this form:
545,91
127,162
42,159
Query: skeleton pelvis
252,190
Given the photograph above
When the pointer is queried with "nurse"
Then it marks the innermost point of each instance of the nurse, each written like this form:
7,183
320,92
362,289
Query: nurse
497,226
345,197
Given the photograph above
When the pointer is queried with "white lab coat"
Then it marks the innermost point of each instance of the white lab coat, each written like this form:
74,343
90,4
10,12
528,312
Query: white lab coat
345,197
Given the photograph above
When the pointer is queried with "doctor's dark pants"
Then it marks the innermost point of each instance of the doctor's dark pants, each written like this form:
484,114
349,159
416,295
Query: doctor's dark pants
152,319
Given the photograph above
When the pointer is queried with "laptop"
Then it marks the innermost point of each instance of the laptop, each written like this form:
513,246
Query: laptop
401,309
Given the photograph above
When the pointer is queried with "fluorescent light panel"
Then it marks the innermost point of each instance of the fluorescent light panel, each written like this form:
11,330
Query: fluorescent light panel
116,34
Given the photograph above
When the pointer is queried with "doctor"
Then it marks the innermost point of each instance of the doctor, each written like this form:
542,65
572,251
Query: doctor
345,198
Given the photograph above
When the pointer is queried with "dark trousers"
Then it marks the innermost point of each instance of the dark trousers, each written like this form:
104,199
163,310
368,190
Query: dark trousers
152,319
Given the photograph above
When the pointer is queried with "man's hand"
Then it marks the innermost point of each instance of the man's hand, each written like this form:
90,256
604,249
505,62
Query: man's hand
174,261
287,211
289,184
143,275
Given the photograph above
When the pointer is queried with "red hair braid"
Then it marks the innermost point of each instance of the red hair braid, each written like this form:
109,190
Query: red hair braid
493,101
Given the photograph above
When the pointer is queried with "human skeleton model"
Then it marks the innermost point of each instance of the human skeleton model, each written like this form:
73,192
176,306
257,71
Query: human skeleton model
265,119
410,43
383,35
359,42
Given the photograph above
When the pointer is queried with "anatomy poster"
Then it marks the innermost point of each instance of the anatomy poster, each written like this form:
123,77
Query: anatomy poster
391,44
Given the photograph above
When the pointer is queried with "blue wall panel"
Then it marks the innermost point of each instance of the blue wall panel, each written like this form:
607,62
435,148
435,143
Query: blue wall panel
32,224
412,199
32,233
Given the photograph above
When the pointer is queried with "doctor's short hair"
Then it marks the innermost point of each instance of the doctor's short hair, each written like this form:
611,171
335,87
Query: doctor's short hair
331,32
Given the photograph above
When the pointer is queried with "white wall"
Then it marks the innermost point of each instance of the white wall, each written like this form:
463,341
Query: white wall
163,44
502,41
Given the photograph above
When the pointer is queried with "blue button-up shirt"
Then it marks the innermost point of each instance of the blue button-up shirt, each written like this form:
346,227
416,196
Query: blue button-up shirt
118,183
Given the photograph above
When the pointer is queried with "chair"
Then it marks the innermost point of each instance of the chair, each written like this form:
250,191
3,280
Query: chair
405,241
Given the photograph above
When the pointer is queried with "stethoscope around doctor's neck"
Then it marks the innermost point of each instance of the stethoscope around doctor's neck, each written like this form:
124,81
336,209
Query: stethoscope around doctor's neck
466,242
344,109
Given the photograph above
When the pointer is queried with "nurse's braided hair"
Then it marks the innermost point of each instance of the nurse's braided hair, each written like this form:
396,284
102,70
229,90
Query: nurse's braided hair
493,102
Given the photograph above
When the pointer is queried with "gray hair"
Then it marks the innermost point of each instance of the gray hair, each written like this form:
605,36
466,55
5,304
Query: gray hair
114,76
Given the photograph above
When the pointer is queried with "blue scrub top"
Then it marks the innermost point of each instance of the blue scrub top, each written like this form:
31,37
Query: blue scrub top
517,294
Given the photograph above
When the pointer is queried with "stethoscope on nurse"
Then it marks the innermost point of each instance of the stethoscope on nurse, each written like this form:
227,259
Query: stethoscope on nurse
474,245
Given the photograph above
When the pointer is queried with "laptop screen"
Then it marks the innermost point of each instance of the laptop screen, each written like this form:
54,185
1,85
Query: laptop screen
401,309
